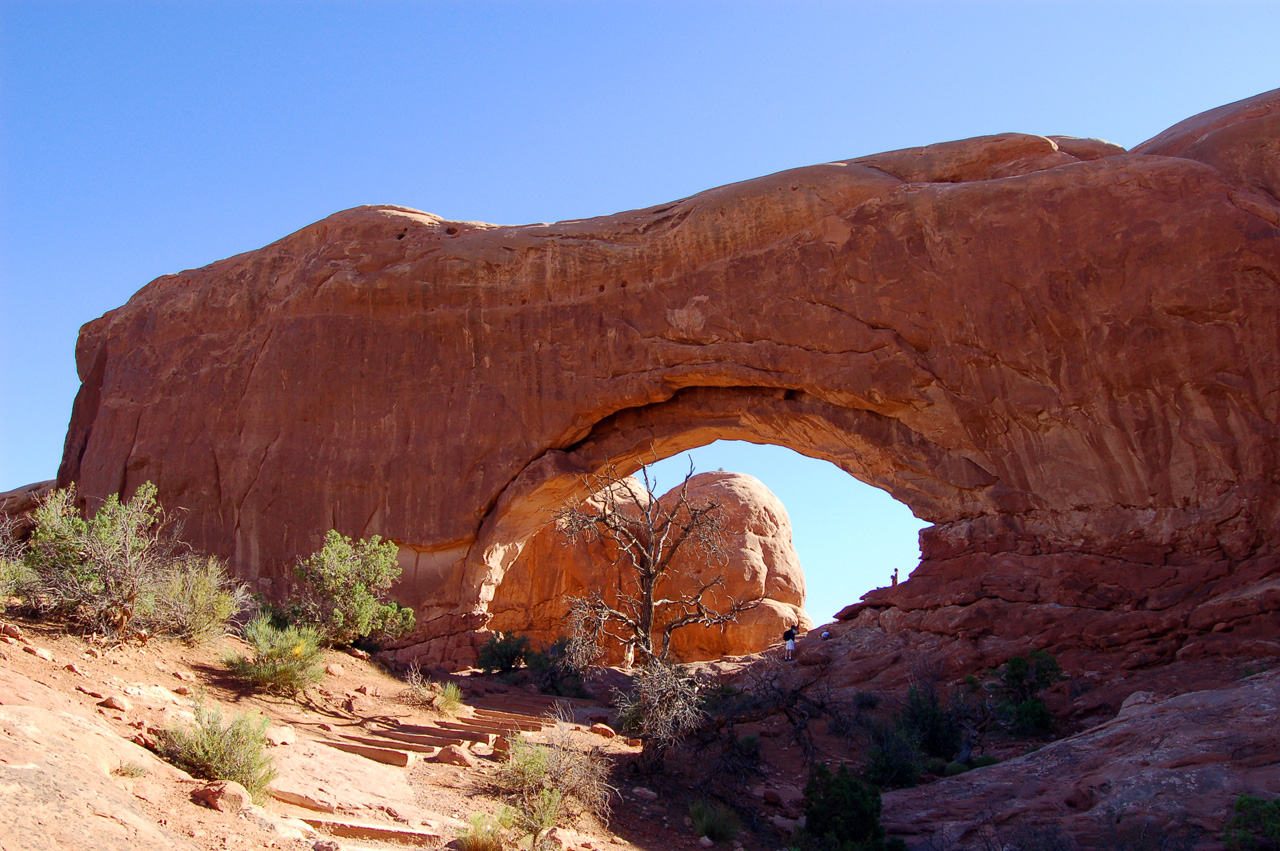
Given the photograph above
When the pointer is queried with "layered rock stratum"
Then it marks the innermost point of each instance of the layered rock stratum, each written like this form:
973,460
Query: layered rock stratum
1061,354
757,562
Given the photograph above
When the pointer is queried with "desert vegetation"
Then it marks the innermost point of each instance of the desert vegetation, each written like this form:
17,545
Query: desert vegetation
122,572
217,750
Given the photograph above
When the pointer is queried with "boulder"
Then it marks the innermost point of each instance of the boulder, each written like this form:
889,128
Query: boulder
760,564
226,796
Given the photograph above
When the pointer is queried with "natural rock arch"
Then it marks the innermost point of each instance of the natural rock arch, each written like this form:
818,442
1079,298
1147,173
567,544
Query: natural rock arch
1046,347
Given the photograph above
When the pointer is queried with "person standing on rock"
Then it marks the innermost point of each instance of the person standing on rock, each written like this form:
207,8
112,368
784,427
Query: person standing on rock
790,638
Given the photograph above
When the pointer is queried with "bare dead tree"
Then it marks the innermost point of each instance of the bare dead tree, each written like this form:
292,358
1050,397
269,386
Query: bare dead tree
650,605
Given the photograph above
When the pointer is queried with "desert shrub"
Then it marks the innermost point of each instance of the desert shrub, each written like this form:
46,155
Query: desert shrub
486,832
14,574
664,707
503,652
717,822
842,814
552,671
124,569
1030,718
195,598
285,661
101,573
343,590
445,698
550,783
1022,679
983,761
1254,825
935,729
951,769
214,751
893,759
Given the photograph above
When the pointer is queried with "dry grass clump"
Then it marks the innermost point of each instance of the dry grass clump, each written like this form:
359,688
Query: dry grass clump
421,692
486,832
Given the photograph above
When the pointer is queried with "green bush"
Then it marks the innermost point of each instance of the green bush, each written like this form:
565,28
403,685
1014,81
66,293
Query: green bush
1030,718
236,751
14,575
100,574
285,661
552,673
983,761
842,814
893,758
343,590
1254,825
449,700
503,652
1023,677
935,729
717,822
955,768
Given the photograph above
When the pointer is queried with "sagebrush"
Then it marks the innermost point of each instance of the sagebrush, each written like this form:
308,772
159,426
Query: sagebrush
123,570
284,661
212,750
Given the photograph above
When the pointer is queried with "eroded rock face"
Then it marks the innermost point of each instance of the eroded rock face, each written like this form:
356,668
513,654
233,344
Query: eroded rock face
760,563
1063,355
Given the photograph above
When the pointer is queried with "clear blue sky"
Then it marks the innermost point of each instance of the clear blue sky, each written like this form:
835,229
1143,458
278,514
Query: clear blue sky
141,138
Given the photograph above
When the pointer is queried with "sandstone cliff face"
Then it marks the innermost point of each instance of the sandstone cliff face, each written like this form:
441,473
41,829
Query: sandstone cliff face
760,563
1063,355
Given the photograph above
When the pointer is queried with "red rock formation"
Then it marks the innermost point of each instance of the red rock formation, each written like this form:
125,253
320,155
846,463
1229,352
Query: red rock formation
760,564
1062,355
1166,766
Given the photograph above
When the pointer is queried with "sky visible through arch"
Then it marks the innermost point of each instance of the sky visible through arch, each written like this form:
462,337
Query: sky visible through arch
849,535
139,139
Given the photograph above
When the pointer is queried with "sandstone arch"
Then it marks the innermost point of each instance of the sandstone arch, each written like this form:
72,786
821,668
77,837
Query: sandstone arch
1047,347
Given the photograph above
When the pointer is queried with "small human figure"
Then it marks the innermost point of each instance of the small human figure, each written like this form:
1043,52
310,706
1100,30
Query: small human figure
790,638
895,576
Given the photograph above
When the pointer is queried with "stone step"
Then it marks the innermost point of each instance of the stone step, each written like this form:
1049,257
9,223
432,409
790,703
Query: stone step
382,832
305,801
401,745
492,729
441,741
484,737
390,756
481,712
499,724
